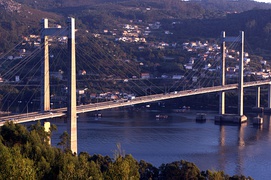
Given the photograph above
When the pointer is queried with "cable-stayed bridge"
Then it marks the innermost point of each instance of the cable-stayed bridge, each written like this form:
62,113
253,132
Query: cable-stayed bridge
60,112
72,109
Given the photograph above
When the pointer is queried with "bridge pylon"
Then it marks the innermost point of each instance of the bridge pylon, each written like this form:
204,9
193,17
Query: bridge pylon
240,117
45,76
222,75
241,76
45,88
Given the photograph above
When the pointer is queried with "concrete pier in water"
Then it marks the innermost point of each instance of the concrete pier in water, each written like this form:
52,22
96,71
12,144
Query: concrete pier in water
230,118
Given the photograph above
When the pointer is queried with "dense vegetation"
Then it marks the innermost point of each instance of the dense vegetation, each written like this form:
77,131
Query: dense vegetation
26,154
206,18
197,19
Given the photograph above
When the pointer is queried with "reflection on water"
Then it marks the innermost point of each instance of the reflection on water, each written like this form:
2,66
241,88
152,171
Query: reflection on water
236,149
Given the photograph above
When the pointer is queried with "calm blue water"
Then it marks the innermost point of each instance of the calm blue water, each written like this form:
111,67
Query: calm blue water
236,149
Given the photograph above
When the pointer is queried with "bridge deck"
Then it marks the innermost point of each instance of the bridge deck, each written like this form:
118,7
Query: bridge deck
34,116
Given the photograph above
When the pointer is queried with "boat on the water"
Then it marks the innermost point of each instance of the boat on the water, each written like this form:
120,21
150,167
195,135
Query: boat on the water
161,116
257,120
201,117
182,109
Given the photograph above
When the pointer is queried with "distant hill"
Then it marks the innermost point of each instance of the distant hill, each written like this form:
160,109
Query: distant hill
183,21
205,18
213,5
232,5
255,23
18,19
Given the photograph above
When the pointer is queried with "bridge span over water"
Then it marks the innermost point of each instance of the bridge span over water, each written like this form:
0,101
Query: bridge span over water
61,112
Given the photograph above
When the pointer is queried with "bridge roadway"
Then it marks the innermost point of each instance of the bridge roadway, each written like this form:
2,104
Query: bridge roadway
34,116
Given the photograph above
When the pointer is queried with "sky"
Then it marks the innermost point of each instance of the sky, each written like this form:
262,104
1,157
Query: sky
267,1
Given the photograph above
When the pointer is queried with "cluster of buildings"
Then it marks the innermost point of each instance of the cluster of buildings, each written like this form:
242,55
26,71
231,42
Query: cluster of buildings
32,42
11,6
207,53
131,33
210,55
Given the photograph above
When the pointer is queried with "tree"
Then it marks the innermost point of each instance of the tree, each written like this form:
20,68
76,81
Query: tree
180,170
123,168
88,169
39,129
189,170
147,170
13,134
119,152
68,168
170,171
13,165
65,140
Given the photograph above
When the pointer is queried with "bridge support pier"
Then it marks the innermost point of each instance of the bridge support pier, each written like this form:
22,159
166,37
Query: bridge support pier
222,103
47,126
258,107
258,97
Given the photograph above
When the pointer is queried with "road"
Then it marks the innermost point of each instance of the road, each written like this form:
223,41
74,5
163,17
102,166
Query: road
34,116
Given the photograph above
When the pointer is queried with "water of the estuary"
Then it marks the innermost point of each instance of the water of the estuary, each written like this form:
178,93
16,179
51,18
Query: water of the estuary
235,149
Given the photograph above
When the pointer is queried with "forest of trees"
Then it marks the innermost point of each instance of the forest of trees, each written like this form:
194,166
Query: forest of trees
205,19
26,154
199,19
